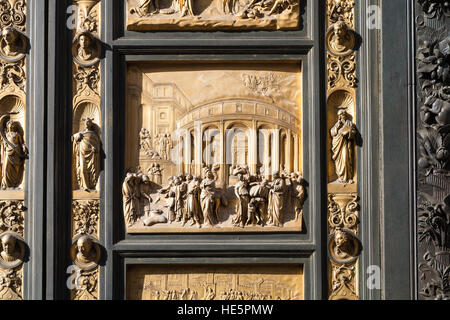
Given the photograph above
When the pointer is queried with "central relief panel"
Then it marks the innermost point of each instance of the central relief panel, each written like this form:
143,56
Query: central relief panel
213,147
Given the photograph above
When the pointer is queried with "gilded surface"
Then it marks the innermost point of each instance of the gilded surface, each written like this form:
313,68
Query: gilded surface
214,282
87,149
212,14
343,201
203,159
13,149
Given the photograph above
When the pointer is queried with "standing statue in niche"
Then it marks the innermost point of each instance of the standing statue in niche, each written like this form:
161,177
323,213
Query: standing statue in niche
86,148
343,145
13,153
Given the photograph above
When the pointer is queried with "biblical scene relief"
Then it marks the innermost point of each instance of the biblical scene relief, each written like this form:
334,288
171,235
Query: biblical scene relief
209,282
212,14
214,148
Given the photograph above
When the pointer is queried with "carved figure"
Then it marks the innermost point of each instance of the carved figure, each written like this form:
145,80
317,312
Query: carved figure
85,253
145,140
12,43
259,194
145,190
276,200
86,148
241,192
87,51
12,253
298,191
343,145
13,153
146,8
208,199
130,192
341,38
193,210
155,173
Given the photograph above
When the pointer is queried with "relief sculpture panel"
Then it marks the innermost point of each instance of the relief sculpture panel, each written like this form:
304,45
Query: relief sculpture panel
214,282
200,158
212,14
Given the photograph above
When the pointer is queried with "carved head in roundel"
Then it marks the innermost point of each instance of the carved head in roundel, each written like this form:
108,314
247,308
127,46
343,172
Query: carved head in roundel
12,250
12,45
343,246
86,49
340,39
85,252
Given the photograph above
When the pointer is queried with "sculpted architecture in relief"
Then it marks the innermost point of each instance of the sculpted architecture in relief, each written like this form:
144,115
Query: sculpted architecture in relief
205,282
203,159
212,14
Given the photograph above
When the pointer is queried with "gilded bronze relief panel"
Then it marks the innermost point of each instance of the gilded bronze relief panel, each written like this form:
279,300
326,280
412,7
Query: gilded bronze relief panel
204,15
215,282
213,147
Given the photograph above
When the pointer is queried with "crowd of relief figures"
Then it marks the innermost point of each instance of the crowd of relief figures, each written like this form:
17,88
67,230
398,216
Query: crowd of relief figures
212,14
236,282
195,202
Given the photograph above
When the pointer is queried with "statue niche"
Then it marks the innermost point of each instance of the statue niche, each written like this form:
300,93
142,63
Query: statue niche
86,149
13,152
343,147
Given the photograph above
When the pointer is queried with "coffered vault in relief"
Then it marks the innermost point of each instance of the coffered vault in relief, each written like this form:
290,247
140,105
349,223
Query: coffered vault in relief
214,147
212,14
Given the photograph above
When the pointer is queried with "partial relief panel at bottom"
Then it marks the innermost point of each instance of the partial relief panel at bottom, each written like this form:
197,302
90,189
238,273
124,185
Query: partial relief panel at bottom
215,282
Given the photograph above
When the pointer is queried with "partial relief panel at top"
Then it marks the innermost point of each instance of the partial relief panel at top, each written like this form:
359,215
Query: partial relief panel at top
164,15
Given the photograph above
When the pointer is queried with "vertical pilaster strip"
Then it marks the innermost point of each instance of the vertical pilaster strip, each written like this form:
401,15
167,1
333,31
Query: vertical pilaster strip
14,153
433,149
342,135
87,150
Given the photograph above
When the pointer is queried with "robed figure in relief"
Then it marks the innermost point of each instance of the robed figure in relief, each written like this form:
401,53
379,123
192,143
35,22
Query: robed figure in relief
86,148
343,144
276,200
13,153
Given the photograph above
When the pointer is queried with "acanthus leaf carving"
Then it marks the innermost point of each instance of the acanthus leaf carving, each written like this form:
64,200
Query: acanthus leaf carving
13,13
88,282
341,71
12,217
11,284
85,217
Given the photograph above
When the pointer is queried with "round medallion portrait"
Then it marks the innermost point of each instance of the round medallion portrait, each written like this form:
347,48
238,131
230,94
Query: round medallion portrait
12,250
85,252
340,39
343,246
86,49
13,44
